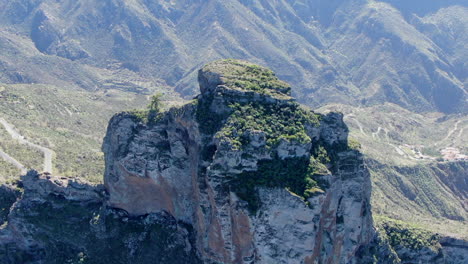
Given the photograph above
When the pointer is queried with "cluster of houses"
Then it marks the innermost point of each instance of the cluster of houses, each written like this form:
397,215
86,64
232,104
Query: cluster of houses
453,154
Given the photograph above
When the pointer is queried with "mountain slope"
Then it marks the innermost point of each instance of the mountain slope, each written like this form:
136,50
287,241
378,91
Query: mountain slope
417,175
96,58
390,60
329,51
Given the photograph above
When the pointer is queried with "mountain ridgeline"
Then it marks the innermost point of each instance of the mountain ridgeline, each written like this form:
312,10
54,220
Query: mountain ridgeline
359,52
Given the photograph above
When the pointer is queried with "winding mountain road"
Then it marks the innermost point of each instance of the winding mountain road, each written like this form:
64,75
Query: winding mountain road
13,161
450,133
353,117
48,153
376,134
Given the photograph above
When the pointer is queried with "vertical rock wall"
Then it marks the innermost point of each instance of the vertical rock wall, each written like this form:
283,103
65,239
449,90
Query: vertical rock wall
174,164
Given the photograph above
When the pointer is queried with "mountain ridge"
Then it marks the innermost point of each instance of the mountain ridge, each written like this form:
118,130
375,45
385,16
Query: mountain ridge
140,39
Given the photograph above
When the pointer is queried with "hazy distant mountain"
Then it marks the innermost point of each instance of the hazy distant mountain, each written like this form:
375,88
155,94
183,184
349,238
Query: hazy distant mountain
347,51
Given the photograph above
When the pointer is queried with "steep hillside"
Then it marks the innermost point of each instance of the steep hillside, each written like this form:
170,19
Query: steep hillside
348,51
418,164
67,121
447,28
390,60
421,7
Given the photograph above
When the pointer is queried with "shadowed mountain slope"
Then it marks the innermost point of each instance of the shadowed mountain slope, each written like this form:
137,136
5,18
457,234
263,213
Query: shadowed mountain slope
330,51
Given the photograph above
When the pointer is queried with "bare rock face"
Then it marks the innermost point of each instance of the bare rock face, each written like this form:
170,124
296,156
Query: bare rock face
40,186
260,178
148,166
59,220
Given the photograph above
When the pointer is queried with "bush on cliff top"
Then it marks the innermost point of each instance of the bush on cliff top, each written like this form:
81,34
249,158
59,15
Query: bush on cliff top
244,75
151,113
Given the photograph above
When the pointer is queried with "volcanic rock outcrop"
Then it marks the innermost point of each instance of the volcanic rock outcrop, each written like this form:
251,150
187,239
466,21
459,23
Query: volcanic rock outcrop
260,178
242,174
59,220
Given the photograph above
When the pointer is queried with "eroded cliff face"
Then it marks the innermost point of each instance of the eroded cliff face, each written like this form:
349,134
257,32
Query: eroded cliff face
242,174
59,220
260,178
151,168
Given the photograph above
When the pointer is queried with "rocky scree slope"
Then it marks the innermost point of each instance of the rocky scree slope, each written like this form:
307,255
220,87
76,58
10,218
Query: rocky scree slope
260,178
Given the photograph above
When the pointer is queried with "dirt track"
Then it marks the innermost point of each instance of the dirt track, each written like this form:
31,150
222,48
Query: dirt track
13,161
48,153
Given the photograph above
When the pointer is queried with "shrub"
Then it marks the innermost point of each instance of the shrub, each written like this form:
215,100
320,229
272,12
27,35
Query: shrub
286,121
295,174
354,144
155,103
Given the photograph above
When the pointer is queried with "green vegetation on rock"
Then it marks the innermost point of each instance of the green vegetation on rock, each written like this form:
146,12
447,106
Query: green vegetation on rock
298,175
252,104
401,234
244,75
153,111
278,122
354,144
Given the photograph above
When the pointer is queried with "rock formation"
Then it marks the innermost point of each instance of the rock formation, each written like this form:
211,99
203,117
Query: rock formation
59,220
261,179
242,174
